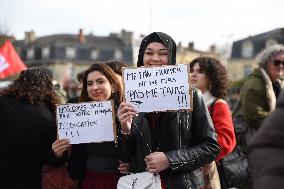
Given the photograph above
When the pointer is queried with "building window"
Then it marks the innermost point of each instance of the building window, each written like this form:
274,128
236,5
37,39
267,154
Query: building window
70,52
247,49
94,54
45,52
117,54
31,53
270,42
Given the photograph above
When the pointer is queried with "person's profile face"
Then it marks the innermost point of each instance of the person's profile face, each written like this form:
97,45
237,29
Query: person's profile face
275,67
156,54
198,78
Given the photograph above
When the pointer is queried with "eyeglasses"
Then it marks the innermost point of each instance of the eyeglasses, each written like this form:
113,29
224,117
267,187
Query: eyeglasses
278,62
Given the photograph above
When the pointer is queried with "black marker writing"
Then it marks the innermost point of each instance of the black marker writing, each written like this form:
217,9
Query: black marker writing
97,105
82,124
167,71
84,113
72,108
172,90
131,76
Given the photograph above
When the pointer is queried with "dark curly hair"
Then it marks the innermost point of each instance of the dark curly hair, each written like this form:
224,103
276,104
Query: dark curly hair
216,73
34,86
110,75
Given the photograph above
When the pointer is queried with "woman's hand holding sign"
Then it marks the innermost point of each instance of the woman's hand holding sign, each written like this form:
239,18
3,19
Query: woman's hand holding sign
60,146
125,114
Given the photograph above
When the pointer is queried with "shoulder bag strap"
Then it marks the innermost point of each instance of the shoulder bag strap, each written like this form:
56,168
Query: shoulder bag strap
212,107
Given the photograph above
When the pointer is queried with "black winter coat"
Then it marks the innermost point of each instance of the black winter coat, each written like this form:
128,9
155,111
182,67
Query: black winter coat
266,151
187,138
27,132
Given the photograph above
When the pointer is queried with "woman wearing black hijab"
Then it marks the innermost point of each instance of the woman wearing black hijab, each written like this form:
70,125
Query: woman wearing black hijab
173,144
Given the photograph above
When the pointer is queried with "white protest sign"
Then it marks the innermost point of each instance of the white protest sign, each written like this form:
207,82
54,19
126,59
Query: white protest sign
157,88
86,122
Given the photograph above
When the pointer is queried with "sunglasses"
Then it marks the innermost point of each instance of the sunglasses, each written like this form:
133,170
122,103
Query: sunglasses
278,62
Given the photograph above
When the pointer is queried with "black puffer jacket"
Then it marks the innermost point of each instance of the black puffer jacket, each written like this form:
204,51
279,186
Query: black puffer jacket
187,138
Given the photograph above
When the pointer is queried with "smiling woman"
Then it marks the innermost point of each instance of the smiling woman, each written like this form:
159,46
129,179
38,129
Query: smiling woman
98,86
95,165
156,54
100,83
173,144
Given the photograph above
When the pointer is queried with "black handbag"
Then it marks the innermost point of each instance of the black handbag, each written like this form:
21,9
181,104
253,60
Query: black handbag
233,169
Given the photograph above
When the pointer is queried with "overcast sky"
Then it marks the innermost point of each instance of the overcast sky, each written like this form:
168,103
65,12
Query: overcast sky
204,22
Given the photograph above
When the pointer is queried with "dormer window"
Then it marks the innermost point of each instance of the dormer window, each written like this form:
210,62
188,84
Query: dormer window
45,52
31,53
117,54
70,52
247,49
270,42
94,54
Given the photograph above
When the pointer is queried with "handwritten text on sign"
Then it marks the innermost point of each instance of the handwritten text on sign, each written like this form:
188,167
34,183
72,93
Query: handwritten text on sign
157,88
85,122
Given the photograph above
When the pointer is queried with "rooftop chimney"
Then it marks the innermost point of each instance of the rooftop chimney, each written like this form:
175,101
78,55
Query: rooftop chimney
213,48
81,36
191,46
126,36
30,37
179,45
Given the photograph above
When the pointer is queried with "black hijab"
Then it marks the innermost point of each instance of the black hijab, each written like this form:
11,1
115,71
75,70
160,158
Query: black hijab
162,134
159,37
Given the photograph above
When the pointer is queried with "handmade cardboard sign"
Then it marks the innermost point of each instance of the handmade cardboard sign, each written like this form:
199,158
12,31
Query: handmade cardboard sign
162,88
86,122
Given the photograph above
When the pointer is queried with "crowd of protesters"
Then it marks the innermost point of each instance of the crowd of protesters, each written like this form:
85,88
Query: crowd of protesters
182,147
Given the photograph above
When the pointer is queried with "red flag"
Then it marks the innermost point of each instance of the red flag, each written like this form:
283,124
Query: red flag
10,62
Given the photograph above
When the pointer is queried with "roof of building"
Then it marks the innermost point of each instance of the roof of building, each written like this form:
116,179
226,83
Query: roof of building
73,40
258,41
107,46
